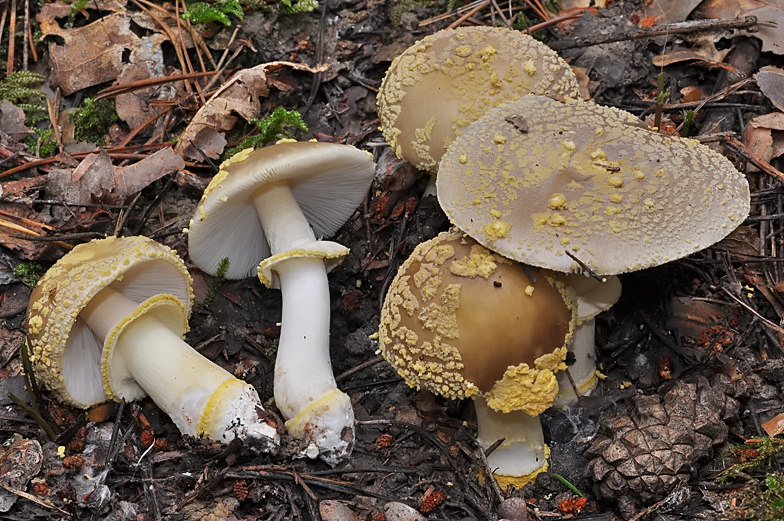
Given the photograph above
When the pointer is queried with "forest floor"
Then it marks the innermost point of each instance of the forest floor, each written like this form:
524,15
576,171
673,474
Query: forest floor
716,312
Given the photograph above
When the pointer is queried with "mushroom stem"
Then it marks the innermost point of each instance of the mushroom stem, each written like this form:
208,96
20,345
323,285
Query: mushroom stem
200,397
523,453
318,413
583,370
285,226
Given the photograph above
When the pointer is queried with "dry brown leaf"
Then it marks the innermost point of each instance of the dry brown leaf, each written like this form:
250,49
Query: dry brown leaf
146,61
764,135
741,241
702,49
96,179
91,54
12,121
774,426
668,11
690,94
771,82
769,13
239,97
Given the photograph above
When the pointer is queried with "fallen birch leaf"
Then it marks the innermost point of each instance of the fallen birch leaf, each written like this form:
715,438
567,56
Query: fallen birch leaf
131,179
702,49
239,97
771,82
769,13
764,135
774,426
668,11
91,54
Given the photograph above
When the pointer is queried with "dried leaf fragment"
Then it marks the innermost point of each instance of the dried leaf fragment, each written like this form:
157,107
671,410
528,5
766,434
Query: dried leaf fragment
771,81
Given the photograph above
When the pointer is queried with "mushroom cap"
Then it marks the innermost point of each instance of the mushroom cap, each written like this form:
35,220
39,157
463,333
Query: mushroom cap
448,80
589,181
460,320
65,355
328,181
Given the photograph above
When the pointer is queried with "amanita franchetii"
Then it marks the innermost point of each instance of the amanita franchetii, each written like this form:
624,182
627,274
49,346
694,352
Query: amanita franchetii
578,187
443,83
107,320
266,211
464,322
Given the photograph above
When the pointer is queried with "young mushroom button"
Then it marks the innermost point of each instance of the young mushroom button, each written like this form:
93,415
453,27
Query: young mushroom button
464,322
266,211
107,320
440,85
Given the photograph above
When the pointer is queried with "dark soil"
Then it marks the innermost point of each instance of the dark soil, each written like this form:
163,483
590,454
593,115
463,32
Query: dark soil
430,444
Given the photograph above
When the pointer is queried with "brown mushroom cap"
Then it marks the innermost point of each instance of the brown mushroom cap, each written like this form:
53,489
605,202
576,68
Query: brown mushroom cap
448,80
537,178
64,354
460,320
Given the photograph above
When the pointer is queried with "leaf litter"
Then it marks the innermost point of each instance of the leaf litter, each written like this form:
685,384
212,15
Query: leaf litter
712,315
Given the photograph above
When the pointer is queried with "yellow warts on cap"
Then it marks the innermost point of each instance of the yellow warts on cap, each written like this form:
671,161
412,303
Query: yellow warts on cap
481,262
287,140
529,290
531,390
497,230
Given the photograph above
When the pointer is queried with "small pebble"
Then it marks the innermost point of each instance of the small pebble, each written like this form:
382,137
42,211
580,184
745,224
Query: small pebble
401,512
336,511
513,509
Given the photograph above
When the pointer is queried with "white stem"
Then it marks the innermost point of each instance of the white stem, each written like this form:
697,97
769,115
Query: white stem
319,415
281,218
178,378
583,370
522,454
303,372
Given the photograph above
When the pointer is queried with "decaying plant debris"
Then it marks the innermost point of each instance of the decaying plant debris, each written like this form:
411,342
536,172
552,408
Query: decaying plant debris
687,420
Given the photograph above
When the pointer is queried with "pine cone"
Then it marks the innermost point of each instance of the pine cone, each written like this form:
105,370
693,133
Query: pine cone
641,458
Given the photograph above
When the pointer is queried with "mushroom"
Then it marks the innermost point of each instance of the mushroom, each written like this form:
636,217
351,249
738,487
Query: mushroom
568,186
594,296
436,88
107,320
464,322
264,211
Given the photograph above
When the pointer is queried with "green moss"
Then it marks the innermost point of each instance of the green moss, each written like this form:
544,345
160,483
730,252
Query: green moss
93,120
14,87
202,12
271,128
299,6
401,7
29,272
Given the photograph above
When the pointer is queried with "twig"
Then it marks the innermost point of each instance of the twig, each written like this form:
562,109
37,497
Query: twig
753,311
454,12
359,368
116,90
489,472
469,14
690,26
739,148
25,52
11,39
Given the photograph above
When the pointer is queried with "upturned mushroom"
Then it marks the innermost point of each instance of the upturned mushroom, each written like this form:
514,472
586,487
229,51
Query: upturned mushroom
464,322
440,85
107,320
266,210
568,186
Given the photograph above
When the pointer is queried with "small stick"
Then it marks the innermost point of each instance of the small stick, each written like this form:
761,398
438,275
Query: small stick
25,52
585,267
11,37
466,16
739,148
690,26
359,368
32,42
